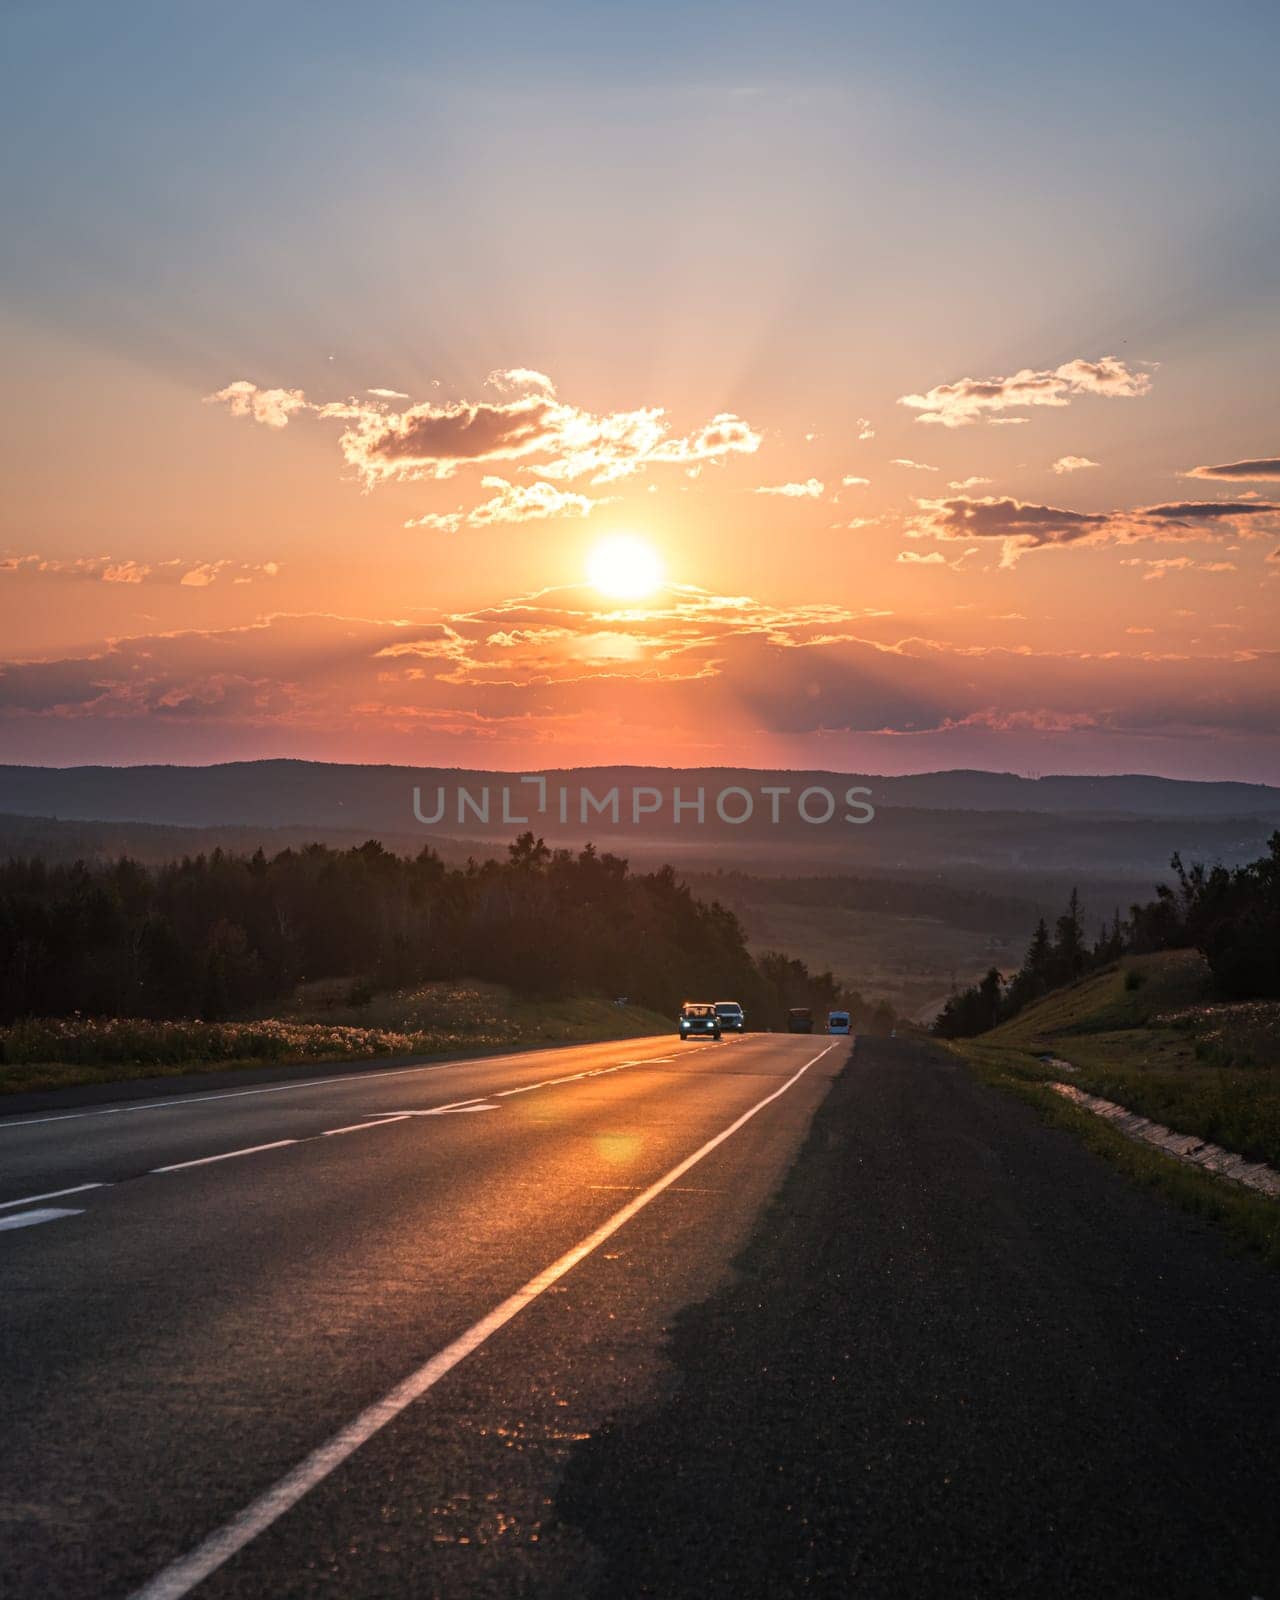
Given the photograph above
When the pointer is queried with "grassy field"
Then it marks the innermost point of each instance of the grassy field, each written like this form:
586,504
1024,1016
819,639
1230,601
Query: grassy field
321,1022
911,961
1148,1034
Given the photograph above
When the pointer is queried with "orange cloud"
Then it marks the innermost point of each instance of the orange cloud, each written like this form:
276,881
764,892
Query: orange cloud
811,488
512,502
110,569
544,663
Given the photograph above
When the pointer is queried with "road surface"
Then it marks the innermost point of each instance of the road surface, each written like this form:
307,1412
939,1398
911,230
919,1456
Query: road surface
468,1330
302,1339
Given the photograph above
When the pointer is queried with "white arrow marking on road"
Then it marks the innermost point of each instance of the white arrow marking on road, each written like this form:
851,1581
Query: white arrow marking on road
28,1219
443,1111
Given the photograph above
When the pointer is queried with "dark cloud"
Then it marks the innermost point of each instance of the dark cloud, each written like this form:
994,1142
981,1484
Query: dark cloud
1262,470
1026,526
427,435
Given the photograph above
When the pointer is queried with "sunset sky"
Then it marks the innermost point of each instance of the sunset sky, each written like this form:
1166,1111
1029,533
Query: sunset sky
925,357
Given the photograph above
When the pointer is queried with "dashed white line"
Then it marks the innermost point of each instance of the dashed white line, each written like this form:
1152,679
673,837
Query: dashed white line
53,1194
204,1161
28,1219
278,1088
183,1575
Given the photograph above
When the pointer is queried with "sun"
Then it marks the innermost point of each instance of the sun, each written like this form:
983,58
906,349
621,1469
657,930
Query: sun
625,567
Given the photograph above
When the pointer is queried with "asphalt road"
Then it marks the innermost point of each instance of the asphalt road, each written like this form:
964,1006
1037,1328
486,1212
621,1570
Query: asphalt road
302,1339
963,1357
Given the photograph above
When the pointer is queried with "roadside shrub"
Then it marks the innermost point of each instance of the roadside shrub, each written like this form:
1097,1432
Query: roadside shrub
132,1041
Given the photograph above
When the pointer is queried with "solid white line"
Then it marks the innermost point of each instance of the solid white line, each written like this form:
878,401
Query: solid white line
53,1194
182,1576
27,1219
283,1088
204,1161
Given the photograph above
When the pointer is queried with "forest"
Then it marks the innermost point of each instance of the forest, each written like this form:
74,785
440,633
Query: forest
217,935
1231,915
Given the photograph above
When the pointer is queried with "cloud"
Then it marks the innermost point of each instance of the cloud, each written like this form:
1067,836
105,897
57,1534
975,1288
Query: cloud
529,425
1024,526
969,400
175,572
1161,568
865,430
915,466
387,394
1073,464
512,502
854,482
811,489
519,380
968,483
1261,470
271,407
439,521
529,502
934,558
692,670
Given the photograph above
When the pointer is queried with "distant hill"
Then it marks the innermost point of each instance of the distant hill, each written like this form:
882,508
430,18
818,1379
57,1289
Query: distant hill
971,827
321,794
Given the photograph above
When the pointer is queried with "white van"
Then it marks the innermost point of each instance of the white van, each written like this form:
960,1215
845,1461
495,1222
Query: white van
838,1022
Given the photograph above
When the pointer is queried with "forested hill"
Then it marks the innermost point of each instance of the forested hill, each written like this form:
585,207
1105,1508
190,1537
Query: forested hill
215,935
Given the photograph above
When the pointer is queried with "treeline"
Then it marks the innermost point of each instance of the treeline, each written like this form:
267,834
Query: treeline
213,936
1230,914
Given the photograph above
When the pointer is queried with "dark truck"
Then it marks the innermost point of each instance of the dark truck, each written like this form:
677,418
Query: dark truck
800,1020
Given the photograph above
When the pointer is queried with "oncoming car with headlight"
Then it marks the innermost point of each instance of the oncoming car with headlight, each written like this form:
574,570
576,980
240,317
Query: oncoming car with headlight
732,1018
698,1019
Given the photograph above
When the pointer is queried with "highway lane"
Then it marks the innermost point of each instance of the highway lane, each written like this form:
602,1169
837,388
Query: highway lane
185,1339
50,1150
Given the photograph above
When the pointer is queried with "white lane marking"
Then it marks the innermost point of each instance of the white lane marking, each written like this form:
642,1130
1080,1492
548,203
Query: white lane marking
53,1194
28,1219
283,1088
453,1111
355,1127
182,1576
204,1161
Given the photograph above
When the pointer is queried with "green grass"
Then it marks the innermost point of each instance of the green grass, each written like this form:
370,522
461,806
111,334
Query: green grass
317,1024
1147,1034
1250,1220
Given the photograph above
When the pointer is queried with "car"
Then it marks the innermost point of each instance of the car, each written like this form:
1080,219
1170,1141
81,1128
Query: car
800,1020
838,1022
732,1019
698,1019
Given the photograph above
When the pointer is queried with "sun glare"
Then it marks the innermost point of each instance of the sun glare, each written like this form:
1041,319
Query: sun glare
625,567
